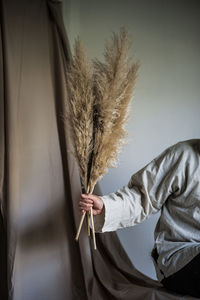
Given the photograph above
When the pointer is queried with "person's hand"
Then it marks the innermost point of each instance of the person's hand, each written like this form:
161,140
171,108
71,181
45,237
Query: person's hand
87,201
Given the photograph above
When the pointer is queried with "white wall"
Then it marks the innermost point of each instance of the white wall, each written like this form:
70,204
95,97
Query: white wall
166,106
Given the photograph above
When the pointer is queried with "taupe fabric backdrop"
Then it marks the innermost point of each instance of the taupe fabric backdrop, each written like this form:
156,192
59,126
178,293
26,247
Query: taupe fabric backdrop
39,180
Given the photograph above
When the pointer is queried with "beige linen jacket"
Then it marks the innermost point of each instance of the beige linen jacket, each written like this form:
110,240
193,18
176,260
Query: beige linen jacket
170,183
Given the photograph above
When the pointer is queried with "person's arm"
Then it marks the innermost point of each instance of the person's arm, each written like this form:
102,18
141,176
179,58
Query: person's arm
144,195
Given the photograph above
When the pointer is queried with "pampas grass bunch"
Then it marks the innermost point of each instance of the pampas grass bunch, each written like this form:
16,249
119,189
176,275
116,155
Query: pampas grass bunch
99,97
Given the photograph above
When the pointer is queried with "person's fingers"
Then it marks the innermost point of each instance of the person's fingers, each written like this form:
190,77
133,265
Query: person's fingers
87,200
89,196
84,204
85,207
95,212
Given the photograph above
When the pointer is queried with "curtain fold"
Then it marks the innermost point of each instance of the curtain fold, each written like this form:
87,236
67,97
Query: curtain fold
3,235
39,180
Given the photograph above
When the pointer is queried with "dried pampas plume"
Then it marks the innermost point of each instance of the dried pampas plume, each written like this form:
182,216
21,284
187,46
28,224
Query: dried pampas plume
81,103
113,89
99,98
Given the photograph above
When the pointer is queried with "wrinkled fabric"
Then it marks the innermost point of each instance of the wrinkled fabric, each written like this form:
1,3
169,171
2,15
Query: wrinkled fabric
39,180
35,176
171,182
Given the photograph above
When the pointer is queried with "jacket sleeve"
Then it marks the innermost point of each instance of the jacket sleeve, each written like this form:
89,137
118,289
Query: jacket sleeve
144,194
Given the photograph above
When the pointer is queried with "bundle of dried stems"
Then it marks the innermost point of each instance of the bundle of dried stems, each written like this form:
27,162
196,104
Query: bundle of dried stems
99,96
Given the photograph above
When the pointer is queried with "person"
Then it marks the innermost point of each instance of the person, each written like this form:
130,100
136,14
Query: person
170,183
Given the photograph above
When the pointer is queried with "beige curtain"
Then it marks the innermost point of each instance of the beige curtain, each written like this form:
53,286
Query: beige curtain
39,180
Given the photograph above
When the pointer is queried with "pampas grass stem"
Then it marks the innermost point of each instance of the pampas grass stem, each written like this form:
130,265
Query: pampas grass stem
93,230
80,226
88,223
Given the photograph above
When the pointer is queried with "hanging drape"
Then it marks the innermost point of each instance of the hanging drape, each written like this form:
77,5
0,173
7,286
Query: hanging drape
39,179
